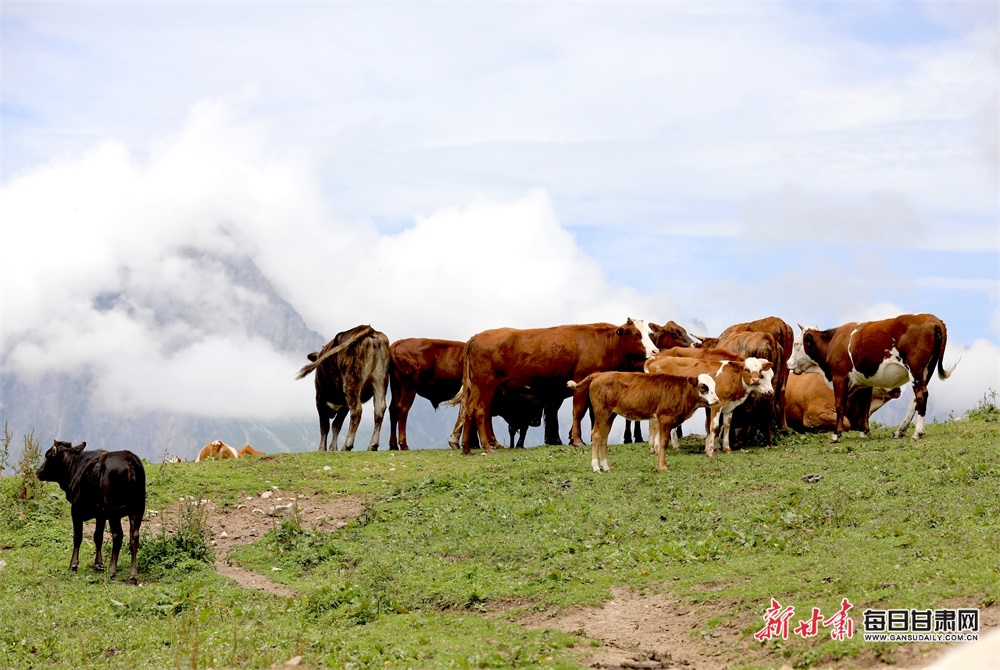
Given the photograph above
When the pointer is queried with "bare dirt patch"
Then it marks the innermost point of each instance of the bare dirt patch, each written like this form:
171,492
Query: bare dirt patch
661,631
253,517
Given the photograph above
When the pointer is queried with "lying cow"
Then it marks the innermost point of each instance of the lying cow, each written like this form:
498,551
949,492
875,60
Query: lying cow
217,449
735,381
883,354
250,451
810,405
666,399
101,485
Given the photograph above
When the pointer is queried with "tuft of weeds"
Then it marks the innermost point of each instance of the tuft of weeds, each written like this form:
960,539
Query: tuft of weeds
185,549
986,407
31,459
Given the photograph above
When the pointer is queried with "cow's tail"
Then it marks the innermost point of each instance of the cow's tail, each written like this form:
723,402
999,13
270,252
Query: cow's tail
582,386
306,369
940,341
457,400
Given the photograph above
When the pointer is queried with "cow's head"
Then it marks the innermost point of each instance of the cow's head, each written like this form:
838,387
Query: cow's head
669,335
639,330
706,388
881,396
758,375
59,457
801,361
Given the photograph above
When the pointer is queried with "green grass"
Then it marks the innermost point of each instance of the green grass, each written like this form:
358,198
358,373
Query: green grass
447,542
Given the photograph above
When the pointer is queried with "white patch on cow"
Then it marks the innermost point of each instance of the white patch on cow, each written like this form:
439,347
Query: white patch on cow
710,396
605,466
892,372
596,464
765,386
919,430
647,341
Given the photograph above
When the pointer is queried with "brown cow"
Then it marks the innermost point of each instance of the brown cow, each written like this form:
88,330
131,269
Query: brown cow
351,369
101,485
542,359
757,413
216,449
666,399
784,337
810,405
882,354
670,334
429,368
250,451
734,382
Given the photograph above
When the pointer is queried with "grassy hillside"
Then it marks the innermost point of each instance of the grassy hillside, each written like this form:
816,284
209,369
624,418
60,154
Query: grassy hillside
451,553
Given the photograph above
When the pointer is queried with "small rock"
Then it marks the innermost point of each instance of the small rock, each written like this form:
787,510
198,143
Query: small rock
266,494
812,479
223,534
3,564
327,467
275,569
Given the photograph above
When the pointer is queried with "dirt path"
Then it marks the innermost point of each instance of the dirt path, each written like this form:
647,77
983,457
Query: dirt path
252,518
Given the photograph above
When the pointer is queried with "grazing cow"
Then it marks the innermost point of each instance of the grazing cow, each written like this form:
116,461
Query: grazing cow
418,366
250,451
734,382
881,354
217,449
670,334
542,359
100,485
810,405
351,369
665,399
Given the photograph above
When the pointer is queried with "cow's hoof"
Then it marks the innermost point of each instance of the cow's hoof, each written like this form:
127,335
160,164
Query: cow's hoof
627,440
350,448
835,438
917,436
133,580
72,568
393,447
100,568
374,447
406,448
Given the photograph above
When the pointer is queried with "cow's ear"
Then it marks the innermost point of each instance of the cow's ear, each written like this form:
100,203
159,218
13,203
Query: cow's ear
620,332
802,328
807,337
313,356
766,365
79,447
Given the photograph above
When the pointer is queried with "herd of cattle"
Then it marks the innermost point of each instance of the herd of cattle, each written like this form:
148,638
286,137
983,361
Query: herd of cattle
639,371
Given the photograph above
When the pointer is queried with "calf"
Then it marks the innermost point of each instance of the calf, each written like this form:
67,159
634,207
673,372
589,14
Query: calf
758,413
667,399
734,382
810,405
883,354
217,449
101,485
670,334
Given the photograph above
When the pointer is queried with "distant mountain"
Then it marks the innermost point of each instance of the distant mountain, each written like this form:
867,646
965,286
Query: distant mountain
59,405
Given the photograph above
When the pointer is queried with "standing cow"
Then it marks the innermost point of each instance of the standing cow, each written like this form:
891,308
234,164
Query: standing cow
351,369
542,359
101,485
425,367
883,354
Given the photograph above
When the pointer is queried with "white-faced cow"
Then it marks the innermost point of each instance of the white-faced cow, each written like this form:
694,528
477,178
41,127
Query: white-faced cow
100,485
883,354
216,449
666,399
351,369
543,360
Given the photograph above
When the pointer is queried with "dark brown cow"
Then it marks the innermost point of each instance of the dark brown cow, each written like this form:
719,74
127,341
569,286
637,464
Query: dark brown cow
542,359
882,354
101,485
429,368
667,399
670,334
351,369
810,405
520,410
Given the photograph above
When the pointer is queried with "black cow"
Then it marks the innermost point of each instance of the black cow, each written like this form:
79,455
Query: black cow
101,485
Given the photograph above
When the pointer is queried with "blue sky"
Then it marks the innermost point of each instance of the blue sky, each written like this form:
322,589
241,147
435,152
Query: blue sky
437,169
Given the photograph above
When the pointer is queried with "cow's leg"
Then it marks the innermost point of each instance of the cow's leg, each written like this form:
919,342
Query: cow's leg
664,426
551,415
134,522
336,425
711,425
674,441
399,410
324,425
627,438
863,399
378,403
468,419
637,431
456,433
840,392
98,542
599,441
117,535
727,422
355,409
74,562
920,404
656,441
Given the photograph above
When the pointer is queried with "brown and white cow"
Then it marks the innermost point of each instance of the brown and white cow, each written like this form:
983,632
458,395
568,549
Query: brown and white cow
543,360
216,449
670,334
759,413
351,369
734,382
810,405
666,400
883,354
